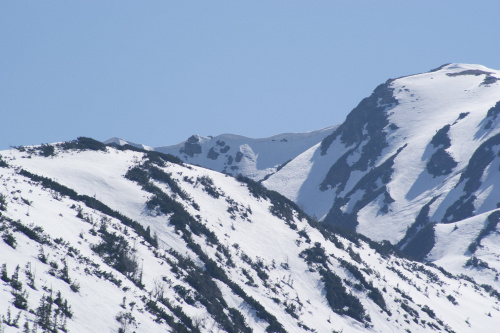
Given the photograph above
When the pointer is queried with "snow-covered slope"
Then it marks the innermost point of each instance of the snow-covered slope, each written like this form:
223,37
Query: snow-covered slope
421,150
104,239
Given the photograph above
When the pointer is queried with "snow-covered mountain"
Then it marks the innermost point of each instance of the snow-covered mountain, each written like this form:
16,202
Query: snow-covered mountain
239,155
416,163
102,238
120,142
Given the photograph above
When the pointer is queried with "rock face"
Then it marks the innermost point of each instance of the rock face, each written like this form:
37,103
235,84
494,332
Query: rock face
418,156
158,245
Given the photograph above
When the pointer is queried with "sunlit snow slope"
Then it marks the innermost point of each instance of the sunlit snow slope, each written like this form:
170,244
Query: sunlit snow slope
104,239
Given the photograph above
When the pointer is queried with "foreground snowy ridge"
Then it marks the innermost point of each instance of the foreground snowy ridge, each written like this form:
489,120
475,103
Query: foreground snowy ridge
98,239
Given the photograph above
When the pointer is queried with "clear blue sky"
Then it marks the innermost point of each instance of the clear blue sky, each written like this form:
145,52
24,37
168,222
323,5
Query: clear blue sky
155,72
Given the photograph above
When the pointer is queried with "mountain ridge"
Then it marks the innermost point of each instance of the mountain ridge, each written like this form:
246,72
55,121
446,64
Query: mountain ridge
256,158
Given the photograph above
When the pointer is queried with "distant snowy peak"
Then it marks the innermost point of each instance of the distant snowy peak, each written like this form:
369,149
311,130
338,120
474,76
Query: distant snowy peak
120,142
235,154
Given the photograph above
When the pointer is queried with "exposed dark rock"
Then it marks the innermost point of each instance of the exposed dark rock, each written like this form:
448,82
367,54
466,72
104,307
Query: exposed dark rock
383,172
413,235
441,163
492,114
439,68
225,149
489,79
460,209
193,139
229,160
475,72
490,226
191,147
282,165
488,124
239,156
212,154
422,243
83,143
338,174
370,184
220,143
481,158
387,201
494,111
368,119
441,138
364,130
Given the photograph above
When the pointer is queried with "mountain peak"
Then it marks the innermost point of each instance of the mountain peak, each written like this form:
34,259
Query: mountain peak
121,142
417,154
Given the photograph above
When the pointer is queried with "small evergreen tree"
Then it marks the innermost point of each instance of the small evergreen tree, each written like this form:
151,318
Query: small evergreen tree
26,327
9,239
20,299
14,280
13,322
41,255
3,202
30,276
64,273
43,312
75,287
125,319
4,275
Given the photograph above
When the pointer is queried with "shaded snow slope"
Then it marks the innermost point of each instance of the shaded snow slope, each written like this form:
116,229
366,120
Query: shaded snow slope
138,241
